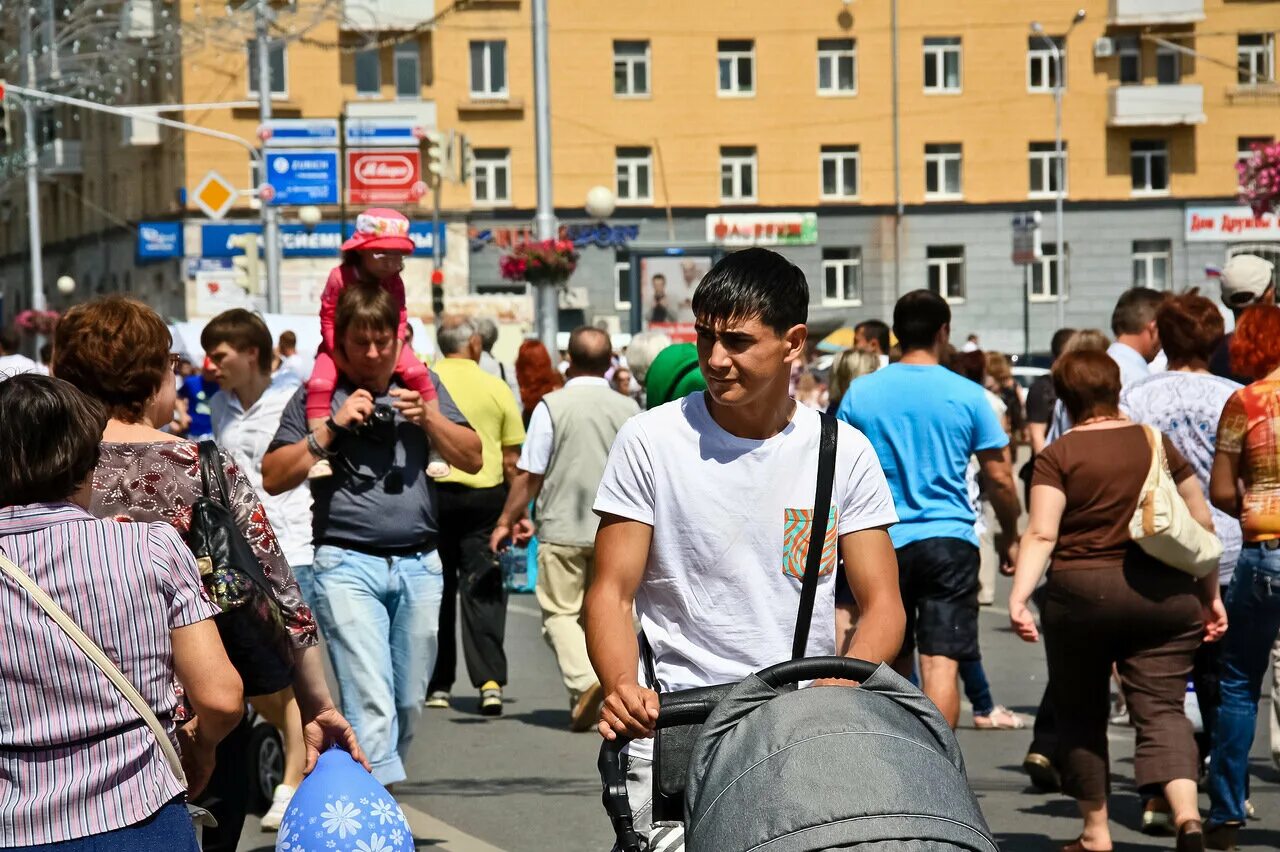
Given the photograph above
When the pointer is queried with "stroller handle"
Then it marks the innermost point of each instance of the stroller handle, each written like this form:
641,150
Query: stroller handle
817,668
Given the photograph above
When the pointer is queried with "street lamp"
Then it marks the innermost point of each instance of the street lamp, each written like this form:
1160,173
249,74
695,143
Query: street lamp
309,216
1059,82
601,203
66,285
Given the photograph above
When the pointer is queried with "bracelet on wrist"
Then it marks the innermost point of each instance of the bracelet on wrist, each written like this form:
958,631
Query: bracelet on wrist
313,447
334,428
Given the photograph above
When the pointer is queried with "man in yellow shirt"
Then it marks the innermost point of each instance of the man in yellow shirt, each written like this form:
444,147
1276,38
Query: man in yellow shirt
469,507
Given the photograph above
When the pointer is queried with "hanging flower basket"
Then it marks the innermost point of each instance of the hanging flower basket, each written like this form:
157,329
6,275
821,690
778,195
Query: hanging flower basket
1260,178
548,261
36,322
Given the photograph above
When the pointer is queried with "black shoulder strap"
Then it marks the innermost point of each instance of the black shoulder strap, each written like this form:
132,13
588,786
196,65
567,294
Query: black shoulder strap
817,534
211,467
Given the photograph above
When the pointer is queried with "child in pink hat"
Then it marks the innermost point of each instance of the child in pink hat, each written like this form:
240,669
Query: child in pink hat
373,257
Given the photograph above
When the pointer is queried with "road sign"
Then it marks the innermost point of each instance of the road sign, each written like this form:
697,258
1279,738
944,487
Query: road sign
303,177
302,133
1026,238
366,132
159,239
215,195
385,176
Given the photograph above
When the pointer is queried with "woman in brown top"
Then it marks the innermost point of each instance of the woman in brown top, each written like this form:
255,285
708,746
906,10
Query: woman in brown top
1107,602
116,350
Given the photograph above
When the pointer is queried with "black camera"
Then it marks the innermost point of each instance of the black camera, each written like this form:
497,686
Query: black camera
382,414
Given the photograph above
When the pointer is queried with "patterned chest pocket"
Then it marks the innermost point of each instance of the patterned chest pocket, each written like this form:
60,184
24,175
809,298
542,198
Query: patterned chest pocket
797,530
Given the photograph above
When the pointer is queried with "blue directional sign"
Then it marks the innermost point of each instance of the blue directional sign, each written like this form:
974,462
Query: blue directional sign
159,239
324,240
302,133
303,177
391,132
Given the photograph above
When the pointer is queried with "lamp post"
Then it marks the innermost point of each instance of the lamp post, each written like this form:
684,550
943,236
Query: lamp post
601,202
1059,232
547,306
309,215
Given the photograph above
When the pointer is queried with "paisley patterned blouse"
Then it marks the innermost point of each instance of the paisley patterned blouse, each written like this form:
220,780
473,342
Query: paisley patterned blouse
159,481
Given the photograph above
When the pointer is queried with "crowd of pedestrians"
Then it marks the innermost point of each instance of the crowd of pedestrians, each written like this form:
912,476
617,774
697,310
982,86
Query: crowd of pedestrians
367,497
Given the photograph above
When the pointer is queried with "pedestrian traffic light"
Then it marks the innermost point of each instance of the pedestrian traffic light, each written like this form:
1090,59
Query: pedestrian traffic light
437,155
246,265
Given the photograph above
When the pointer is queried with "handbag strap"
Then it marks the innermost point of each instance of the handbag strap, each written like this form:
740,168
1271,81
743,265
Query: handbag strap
102,661
1156,441
817,534
211,468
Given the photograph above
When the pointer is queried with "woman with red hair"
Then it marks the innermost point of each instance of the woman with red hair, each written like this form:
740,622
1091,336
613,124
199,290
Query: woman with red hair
536,375
1248,452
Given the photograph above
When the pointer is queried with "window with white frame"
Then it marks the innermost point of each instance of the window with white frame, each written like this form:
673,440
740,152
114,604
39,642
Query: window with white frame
279,67
1152,260
1046,274
840,168
837,66
1149,166
1042,70
737,174
488,69
842,276
369,73
635,175
1168,66
942,171
736,61
1129,52
622,285
408,69
946,271
942,64
631,68
491,176
1256,58
1043,160
1245,145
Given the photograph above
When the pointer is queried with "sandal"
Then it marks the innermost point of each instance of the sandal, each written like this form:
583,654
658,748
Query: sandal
999,719
1077,845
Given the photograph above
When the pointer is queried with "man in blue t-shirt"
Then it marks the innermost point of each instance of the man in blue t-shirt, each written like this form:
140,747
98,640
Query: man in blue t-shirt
925,422
196,391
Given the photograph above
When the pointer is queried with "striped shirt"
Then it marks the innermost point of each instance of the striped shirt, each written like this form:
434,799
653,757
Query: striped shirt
75,759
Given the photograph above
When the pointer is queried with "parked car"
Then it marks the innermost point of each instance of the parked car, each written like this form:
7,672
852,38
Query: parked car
1024,376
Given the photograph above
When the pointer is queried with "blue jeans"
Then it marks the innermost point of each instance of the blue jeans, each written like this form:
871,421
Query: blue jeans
379,616
167,830
976,687
1253,612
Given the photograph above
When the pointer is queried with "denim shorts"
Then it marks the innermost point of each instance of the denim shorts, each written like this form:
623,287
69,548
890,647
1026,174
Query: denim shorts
938,578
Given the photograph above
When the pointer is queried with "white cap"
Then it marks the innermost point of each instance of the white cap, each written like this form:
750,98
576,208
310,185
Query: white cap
1244,279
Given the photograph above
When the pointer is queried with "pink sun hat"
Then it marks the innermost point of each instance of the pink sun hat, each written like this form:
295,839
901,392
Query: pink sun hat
381,228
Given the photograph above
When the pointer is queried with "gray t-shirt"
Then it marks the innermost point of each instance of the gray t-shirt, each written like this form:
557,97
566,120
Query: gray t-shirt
379,497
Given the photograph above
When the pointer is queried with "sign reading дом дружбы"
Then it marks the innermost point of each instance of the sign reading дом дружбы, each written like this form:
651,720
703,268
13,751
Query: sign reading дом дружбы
1230,225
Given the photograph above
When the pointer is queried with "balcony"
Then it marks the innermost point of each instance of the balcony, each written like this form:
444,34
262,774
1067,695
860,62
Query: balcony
61,157
1156,106
374,15
1129,13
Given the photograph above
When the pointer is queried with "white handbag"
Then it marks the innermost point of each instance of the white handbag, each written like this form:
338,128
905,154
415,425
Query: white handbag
200,817
1162,524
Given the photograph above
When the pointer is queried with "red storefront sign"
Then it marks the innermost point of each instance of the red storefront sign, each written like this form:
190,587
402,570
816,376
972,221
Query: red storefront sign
384,176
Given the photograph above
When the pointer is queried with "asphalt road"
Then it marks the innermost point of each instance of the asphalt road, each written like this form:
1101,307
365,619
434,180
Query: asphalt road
523,782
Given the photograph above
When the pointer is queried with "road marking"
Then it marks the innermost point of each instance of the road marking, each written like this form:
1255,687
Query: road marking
443,836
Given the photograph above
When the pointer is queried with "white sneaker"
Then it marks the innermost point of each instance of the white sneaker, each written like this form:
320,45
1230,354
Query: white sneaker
279,804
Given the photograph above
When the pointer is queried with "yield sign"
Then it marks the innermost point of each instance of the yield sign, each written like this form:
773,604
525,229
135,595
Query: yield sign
215,195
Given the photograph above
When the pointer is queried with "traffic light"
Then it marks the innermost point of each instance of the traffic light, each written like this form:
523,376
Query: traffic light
437,156
246,265
466,159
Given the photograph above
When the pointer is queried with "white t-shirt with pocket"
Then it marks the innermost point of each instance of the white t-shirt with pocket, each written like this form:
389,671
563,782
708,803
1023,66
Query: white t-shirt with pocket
731,520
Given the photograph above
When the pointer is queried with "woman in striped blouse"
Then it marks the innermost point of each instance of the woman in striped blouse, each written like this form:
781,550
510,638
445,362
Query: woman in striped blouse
79,769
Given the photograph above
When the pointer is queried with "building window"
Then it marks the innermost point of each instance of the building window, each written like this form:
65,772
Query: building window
942,64
1256,56
491,176
1168,66
946,271
635,175
837,66
408,71
1042,71
942,171
840,168
631,68
622,285
1130,52
736,61
1043,158
1246,145
842,276
1046,273
737,174
279,67
368,73
1149,166
488,69
1151,261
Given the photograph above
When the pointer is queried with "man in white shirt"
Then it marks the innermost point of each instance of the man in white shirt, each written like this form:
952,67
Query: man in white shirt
13,362
488,331
873,336
1137,343
705,511
293,360
246,414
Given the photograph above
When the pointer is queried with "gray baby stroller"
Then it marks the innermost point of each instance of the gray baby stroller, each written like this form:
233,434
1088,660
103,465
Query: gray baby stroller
787,770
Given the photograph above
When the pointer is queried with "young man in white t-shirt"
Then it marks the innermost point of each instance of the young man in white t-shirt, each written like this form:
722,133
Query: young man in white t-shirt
705,507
